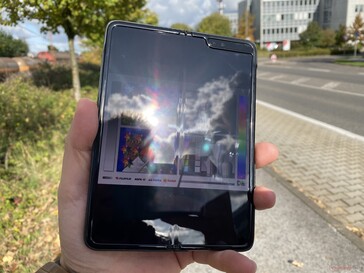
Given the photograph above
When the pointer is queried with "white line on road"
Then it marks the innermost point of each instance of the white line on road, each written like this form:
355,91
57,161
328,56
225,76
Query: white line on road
313,121
319,70
330,85
277,77
361,73
264,74
315,87
301,80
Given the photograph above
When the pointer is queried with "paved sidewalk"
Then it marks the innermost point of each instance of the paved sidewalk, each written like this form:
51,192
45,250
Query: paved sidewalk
293,238
327,166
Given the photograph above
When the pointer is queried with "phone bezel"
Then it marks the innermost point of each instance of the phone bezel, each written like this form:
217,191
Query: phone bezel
246,47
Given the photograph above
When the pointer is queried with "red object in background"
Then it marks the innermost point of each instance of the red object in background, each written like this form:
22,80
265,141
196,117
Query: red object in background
46,56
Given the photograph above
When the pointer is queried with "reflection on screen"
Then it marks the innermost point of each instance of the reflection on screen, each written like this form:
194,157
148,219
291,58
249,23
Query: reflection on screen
176,115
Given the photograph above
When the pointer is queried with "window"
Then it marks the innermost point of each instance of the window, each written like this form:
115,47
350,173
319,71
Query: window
268,31
272,31
295,30
282,17
359,8
263,31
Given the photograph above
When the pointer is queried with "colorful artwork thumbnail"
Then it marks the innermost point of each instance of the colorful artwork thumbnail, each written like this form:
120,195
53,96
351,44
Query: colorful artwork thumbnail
134,149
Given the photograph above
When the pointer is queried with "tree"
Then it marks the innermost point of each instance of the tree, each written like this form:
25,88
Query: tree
149,17
246,27
215,24
77,18
311,37
52,48
356,32
181,26
10,47
341,36
327,38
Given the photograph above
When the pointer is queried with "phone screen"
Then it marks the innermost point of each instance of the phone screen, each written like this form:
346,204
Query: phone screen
172,163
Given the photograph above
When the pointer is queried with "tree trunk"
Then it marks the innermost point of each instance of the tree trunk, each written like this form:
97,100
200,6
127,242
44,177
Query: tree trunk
75,72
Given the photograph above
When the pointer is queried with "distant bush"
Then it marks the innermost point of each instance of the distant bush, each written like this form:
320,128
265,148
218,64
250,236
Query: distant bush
301,52
10,47
55,77
342,51
59,77
29,114
295,52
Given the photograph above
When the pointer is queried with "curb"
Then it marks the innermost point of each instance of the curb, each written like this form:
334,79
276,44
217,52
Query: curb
336,225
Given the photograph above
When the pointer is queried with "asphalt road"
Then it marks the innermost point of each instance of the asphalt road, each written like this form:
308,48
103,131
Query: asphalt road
293,238
315,88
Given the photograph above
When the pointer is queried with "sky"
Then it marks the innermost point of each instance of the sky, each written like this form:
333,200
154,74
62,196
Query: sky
169,11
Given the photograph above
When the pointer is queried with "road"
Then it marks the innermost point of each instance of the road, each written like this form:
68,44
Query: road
316,88
293,238
320,163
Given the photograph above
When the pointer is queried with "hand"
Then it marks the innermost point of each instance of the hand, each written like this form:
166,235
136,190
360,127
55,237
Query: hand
72,198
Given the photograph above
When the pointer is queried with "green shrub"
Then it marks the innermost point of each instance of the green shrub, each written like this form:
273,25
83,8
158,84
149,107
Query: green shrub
301,52
55,77
59,77
343,51
29,114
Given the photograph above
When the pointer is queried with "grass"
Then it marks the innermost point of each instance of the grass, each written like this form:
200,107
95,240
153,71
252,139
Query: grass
28,209
28,192
357,63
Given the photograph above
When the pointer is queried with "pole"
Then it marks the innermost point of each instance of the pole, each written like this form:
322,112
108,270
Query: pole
221,6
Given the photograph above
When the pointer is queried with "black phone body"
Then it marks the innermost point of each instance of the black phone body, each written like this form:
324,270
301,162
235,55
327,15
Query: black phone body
173,160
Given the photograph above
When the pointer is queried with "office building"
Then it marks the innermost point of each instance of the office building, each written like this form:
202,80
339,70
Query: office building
234,23
278,20
333,13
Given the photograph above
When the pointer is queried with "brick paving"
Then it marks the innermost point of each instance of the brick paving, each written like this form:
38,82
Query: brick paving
325,165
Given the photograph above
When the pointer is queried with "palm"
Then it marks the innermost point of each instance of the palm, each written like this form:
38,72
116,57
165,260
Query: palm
82,259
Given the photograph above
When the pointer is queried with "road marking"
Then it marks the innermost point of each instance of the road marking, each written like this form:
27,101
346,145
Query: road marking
361,73
319,70
316,87
301,80
330,85
263,74
277,77
313,121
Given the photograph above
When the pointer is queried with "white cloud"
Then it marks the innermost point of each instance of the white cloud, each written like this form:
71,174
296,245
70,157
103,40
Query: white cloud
29,31
189,11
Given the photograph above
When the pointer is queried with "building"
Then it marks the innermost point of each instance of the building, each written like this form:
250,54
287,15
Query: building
278,20
333,13
234,21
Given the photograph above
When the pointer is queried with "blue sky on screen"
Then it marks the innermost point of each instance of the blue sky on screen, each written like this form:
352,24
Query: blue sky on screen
169,11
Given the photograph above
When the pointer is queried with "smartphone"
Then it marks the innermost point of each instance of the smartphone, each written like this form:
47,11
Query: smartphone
173,161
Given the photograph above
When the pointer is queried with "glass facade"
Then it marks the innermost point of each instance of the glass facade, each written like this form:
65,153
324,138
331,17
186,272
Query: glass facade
285,20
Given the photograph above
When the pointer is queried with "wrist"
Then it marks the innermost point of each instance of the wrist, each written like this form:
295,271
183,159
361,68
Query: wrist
52,267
